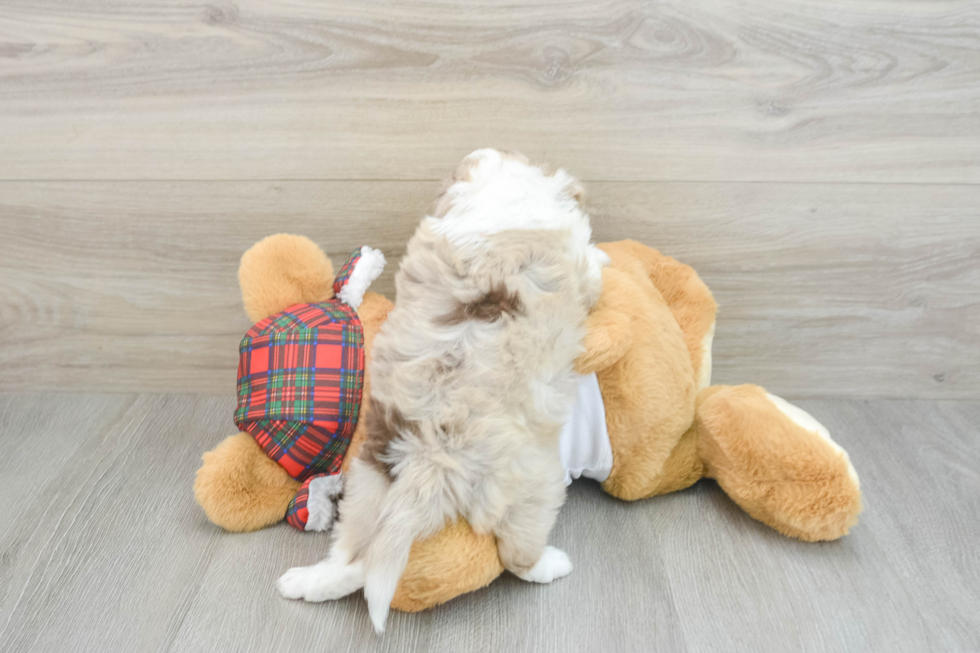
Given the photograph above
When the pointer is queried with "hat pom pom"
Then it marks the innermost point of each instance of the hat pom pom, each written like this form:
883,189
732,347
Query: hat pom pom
361,269
314,507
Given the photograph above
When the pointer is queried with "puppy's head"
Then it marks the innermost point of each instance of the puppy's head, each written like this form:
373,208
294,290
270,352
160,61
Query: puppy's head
492,192
510,177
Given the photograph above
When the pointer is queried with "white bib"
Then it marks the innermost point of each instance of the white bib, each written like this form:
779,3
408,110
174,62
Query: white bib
584,440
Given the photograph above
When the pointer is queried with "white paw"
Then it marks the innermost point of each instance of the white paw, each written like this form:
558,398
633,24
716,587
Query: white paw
293,583
323,582
553,563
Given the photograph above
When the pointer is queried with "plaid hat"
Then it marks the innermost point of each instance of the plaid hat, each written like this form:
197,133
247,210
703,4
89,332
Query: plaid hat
301,376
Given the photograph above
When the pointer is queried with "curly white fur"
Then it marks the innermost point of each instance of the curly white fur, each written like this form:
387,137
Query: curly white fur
472,379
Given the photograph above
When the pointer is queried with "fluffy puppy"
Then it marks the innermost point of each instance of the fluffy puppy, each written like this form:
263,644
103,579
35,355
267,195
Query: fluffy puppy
472,379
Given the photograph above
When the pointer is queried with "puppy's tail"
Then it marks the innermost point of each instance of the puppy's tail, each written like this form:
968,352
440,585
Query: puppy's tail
399,525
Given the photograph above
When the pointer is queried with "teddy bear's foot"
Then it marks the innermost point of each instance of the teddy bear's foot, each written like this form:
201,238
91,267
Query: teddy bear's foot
777,462
242,489
326,581
452,562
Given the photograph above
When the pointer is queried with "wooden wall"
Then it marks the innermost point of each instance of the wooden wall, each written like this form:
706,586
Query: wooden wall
817,162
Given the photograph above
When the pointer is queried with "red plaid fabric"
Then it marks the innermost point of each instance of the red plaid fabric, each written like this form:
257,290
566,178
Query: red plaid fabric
344,275
300,379
298,513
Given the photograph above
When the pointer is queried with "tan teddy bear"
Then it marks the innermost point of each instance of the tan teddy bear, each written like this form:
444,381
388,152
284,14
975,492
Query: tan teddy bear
647,421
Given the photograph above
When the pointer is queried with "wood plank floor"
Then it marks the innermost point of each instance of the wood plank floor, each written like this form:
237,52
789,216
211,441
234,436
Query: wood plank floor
104,549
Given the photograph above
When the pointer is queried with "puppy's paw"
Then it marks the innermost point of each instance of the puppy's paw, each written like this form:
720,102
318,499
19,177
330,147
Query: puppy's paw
322,582
293,584
553,563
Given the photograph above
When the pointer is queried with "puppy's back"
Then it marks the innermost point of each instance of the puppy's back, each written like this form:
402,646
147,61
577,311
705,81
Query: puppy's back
474,362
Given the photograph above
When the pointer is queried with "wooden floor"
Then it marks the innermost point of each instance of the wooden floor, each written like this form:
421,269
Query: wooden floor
104,549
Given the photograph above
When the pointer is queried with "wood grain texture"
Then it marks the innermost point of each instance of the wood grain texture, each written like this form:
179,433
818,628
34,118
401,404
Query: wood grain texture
104,549
818,162
134,286
704,90
92,544
825,289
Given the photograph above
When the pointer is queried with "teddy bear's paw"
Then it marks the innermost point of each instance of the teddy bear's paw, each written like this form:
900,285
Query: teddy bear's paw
553,563
323,582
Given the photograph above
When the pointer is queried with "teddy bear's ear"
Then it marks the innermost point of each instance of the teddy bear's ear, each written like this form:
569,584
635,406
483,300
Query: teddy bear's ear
609,332
283,270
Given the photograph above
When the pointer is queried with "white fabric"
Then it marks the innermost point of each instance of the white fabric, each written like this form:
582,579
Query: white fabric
322,502
584,440
366,270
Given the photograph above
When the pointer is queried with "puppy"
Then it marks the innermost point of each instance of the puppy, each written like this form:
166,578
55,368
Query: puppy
471,381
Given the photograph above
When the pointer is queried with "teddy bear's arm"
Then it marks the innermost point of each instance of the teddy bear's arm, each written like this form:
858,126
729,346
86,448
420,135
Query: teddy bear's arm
686,294
608,329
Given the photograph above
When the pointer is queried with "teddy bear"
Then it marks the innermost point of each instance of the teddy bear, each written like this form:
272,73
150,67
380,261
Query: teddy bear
301,378
647,420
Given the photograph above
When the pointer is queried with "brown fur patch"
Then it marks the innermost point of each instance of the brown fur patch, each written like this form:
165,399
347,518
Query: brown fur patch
384,424
373,313
489,308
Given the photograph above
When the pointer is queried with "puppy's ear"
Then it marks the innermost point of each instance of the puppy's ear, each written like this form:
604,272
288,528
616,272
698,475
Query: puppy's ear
573,187
463,172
